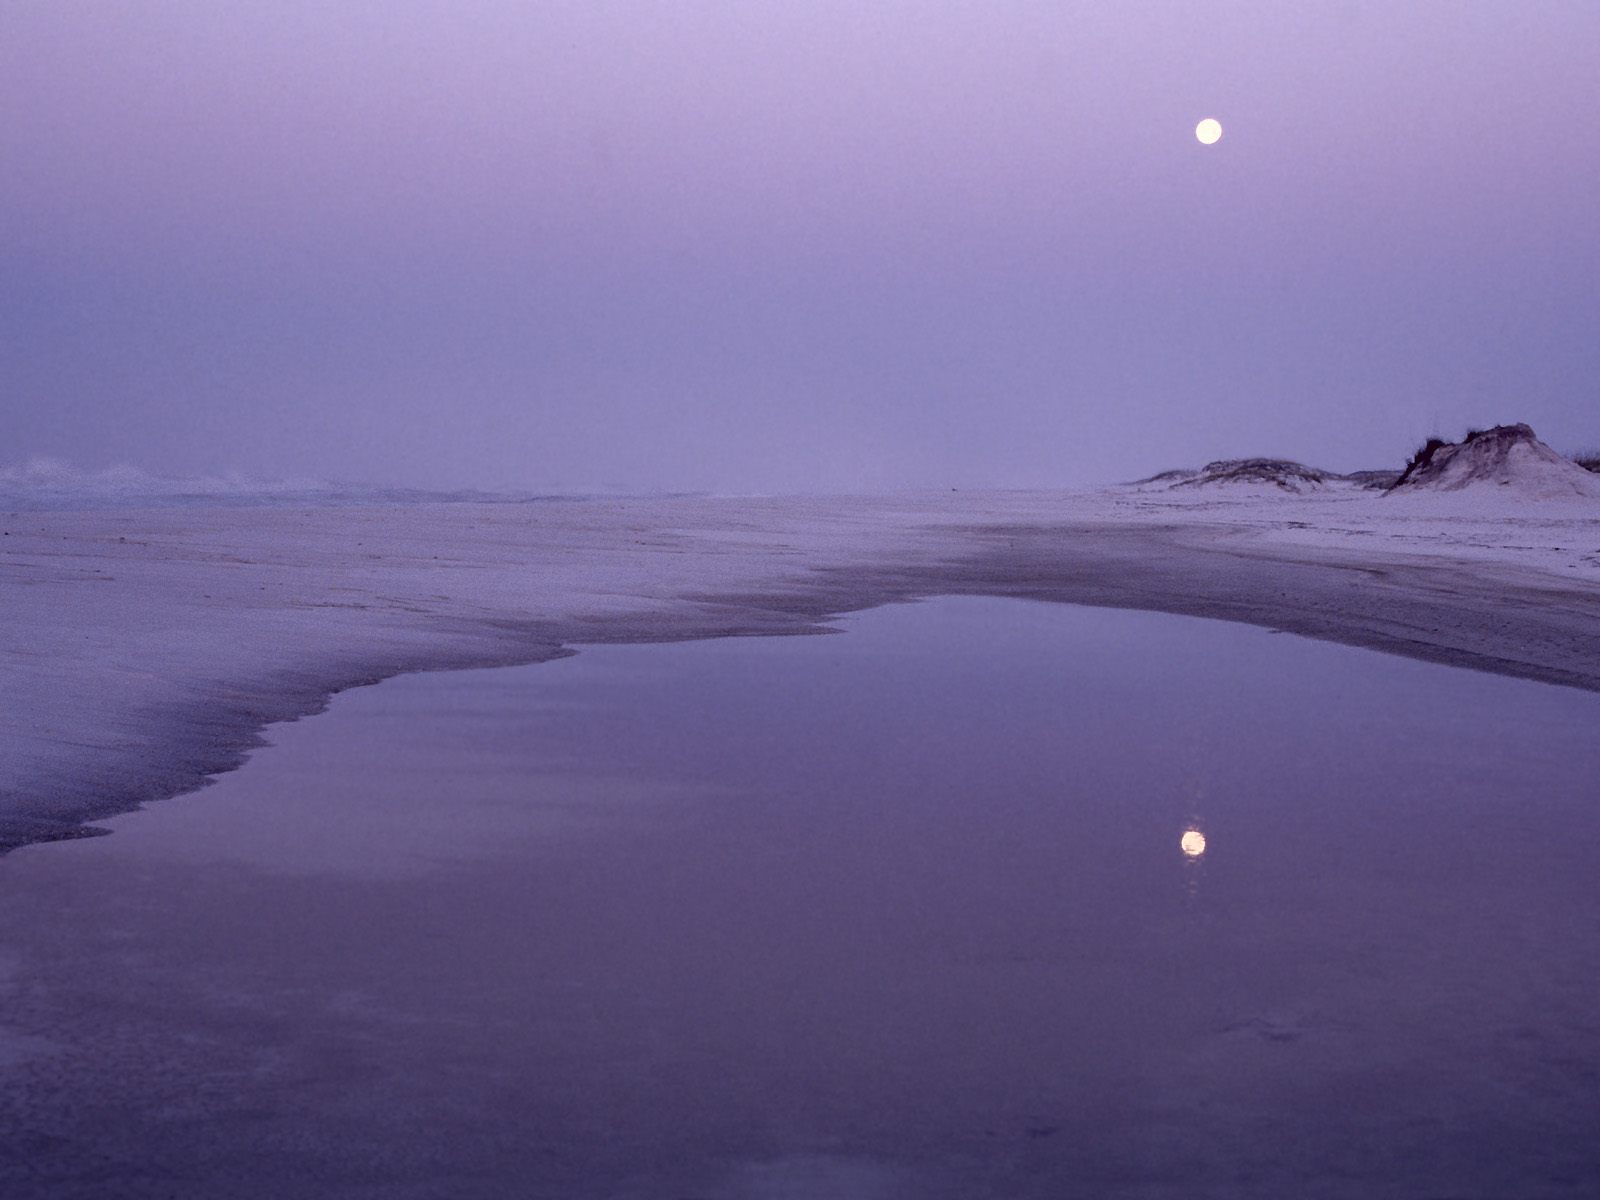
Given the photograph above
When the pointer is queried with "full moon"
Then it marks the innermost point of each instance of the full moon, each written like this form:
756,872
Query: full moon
1208,131
1192,843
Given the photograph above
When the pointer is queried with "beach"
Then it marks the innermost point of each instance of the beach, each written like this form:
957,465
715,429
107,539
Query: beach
147,648
912,912
832,602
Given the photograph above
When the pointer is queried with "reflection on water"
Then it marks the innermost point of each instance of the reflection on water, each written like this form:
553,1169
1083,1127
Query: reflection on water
1192,845
893,914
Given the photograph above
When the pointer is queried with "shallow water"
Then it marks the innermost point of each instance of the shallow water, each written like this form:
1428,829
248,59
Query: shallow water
896,914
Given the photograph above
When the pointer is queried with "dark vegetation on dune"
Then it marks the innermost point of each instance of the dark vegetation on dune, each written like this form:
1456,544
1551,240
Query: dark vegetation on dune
1282,473
1428,455
1505,455
1480,455
1376,480
1421,458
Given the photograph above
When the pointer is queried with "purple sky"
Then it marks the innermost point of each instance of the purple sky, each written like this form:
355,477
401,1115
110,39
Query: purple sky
790,245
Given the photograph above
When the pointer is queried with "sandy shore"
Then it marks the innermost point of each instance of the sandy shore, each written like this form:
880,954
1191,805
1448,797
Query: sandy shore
144,650
896,915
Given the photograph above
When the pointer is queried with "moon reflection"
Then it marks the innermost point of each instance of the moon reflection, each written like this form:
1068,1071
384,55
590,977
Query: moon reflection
1192,843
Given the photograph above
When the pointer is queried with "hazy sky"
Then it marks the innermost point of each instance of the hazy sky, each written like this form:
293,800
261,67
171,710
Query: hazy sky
796,245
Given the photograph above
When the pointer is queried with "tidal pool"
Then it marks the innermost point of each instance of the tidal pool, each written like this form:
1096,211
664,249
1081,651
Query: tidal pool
980,899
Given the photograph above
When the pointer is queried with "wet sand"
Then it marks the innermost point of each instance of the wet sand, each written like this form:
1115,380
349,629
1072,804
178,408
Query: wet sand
900,913
144,651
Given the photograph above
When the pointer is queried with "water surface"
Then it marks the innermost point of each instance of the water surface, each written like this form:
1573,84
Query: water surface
901,913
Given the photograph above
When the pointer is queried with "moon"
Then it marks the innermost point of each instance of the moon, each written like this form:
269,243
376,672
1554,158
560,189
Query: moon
1208,131
1192,843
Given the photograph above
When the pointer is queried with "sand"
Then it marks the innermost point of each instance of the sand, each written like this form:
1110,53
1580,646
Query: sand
145,649
897,915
